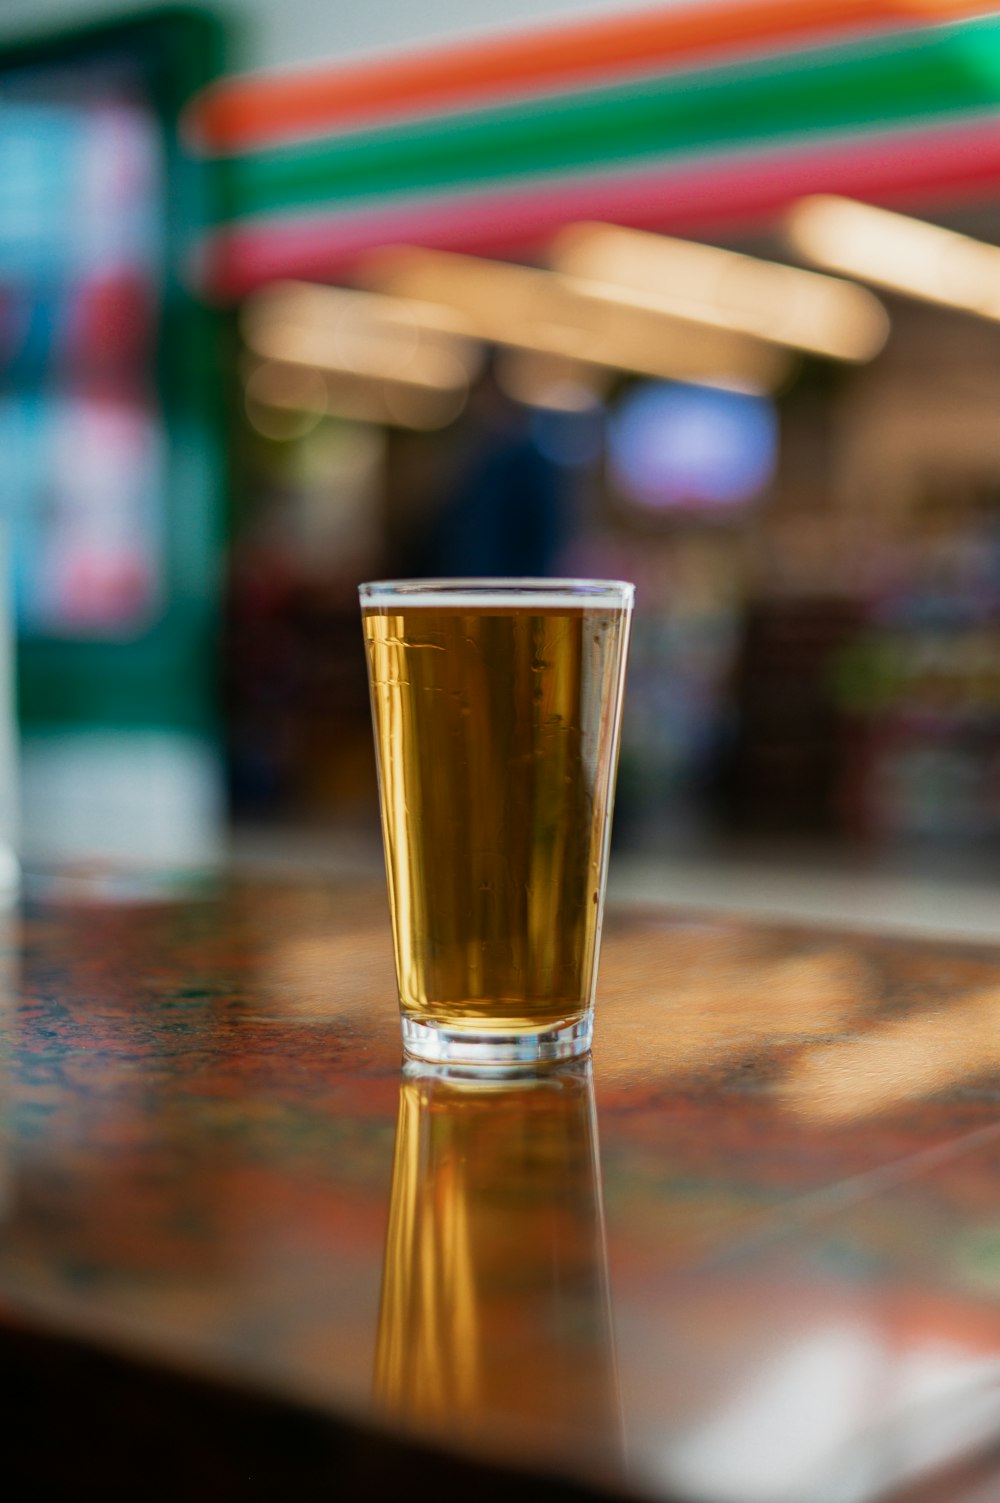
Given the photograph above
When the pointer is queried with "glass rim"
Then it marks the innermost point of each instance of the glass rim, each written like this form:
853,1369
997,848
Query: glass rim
479,589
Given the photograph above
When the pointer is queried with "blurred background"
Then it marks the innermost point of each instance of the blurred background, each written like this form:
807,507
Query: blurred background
702,295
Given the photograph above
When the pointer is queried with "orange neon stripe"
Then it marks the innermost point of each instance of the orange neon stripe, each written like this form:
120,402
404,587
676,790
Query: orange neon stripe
253,110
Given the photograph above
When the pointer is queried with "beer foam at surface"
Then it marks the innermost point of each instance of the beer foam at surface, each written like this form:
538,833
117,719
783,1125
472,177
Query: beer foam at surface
596,597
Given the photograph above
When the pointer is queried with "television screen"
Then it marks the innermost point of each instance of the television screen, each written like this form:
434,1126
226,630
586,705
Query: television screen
692,448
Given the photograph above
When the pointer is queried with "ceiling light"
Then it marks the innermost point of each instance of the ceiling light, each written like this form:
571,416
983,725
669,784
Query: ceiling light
896,252
526,308
359,333
723,289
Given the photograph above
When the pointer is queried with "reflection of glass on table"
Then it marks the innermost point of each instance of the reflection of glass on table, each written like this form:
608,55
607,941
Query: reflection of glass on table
495,1320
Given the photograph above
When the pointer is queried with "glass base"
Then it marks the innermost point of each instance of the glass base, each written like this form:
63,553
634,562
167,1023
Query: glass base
440,1044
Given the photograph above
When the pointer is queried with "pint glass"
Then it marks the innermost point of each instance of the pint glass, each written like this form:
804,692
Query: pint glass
496,708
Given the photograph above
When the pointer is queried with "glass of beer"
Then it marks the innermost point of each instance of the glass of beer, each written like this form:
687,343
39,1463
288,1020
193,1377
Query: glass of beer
497,709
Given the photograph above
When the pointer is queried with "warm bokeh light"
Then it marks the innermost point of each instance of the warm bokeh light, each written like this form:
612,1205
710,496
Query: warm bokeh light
358,333
539,380
902,1060
897,252
529,308
283,401
723,289
720,1000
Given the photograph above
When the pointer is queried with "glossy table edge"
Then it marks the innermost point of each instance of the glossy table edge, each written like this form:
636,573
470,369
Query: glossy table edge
128,1422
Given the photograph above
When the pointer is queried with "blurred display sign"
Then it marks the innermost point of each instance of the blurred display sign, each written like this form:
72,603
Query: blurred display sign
112,495
90,245
82,251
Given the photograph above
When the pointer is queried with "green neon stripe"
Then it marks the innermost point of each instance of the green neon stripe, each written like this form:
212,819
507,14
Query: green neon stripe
938,72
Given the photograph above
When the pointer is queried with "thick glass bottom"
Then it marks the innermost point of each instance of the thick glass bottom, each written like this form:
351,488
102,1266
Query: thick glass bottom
441,1044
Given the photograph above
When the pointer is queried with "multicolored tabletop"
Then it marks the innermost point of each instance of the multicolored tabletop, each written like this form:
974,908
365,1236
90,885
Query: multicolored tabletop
749,1253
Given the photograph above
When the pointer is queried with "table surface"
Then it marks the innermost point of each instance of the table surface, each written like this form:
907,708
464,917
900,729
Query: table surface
750,1254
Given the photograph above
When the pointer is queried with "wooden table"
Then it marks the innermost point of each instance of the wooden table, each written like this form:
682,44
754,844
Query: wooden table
753,1256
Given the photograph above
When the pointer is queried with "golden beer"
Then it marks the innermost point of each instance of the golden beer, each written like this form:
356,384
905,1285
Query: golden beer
495,1318
496,715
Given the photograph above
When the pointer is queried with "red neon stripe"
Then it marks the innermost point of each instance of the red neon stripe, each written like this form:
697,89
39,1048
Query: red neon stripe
902,169
255,110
